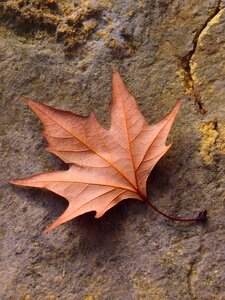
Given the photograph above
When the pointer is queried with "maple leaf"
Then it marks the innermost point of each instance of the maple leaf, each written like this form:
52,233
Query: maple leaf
106,166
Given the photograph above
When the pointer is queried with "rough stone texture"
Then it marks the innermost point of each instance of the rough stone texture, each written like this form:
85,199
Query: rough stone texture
177,52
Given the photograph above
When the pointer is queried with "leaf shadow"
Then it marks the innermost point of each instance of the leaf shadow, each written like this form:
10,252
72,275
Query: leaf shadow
168,192
159,180
92,232
99,233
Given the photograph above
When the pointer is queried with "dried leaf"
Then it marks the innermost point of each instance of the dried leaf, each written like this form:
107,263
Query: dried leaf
105,166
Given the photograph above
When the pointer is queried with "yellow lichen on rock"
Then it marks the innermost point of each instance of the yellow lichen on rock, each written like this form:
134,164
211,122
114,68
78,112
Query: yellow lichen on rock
221,140
213,140
182,74
215,20
88,297
193,68
146,289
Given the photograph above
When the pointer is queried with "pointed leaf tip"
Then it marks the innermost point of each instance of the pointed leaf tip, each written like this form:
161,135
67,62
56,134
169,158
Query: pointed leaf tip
47,230
113,68
14,181
178,105
27,100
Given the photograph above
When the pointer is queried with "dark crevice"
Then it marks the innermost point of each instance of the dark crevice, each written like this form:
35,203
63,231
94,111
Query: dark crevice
194,265
186,60
189,278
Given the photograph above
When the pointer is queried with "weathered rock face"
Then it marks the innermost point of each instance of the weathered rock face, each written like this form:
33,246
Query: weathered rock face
165,51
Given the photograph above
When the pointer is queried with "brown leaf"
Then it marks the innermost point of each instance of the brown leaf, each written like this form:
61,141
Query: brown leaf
105,166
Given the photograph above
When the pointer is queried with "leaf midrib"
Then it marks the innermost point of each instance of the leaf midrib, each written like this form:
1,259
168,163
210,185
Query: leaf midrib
118,170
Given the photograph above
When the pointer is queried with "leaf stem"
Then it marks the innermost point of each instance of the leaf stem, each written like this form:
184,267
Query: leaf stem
201,217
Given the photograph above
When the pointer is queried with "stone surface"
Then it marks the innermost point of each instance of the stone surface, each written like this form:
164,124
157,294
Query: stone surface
165,51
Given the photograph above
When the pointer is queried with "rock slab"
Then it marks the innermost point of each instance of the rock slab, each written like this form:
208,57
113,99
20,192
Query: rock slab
60,53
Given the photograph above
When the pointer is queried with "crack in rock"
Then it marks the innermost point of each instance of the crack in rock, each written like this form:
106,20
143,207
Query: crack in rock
186,60
189,283
194,264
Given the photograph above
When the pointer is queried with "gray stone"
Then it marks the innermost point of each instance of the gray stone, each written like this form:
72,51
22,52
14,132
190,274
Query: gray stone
165,51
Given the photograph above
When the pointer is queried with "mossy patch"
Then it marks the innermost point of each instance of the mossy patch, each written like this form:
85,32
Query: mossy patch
69,23
213,140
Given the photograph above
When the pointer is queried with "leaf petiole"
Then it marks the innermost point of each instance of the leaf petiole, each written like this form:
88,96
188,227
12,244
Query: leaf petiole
201,217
